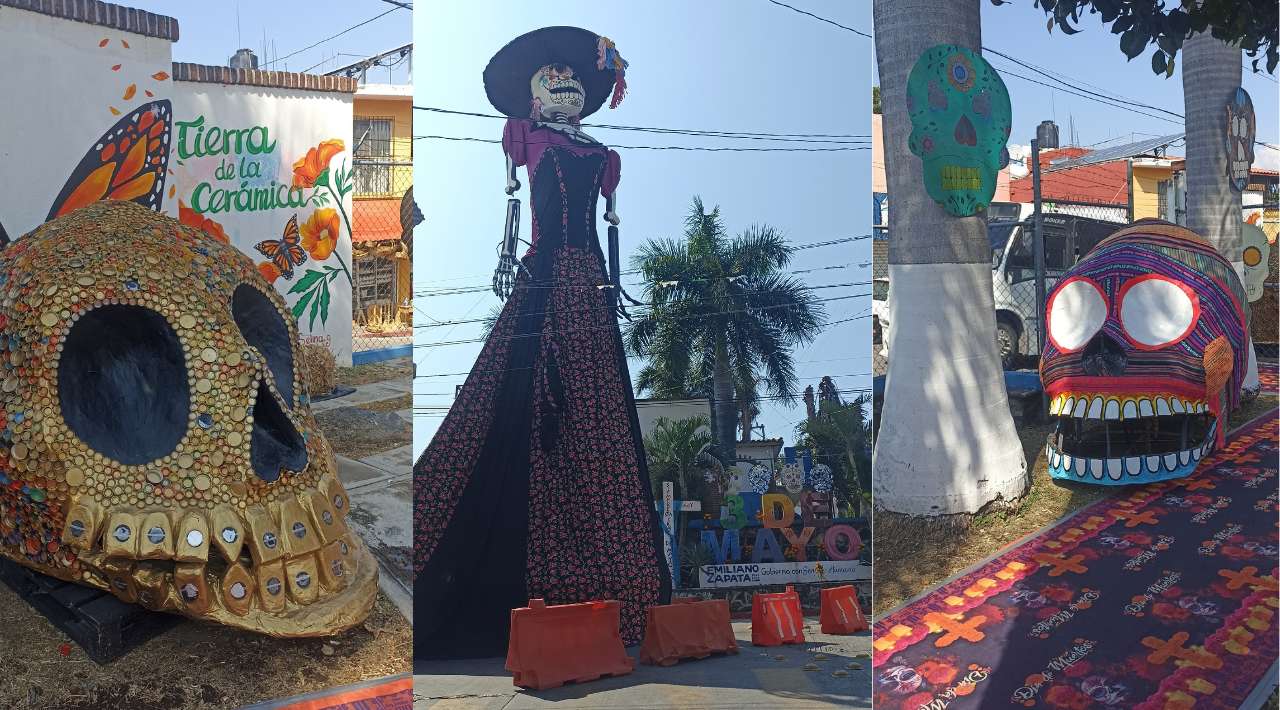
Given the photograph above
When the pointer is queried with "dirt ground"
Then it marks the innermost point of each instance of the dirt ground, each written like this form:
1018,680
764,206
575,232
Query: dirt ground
375,372
192,665
912,555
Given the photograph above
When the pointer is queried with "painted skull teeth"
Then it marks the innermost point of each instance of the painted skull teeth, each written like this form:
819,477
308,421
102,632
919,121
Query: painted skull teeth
958,177
1110,439
1111,407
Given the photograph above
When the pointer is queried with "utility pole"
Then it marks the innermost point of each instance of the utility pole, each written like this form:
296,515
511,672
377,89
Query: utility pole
1038,241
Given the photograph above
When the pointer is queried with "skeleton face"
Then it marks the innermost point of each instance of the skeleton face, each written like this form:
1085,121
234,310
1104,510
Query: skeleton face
1145,357
899,679
557,90
1256,257
960,122
157,440
1103,690
793,478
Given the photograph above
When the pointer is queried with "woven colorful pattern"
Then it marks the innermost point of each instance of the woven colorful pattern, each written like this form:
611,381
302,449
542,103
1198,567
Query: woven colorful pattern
1162,598
1146,354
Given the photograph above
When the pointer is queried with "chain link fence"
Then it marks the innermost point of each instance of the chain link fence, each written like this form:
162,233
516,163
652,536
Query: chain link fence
382,221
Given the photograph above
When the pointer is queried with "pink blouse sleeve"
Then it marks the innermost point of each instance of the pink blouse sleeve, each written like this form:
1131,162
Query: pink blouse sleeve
612,174
515,140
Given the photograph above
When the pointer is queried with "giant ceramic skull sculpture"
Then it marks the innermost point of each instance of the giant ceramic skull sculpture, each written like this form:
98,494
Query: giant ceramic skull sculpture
960,121
157,440
1147,349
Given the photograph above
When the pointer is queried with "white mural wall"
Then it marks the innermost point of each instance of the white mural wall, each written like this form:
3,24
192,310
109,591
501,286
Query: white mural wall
96,114
269,169
67,83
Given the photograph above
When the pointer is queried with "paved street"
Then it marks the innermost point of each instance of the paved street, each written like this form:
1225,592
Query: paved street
381,488
755,678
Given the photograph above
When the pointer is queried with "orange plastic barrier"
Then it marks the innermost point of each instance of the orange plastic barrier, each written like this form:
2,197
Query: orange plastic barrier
687,628
840,613
776,618
567,643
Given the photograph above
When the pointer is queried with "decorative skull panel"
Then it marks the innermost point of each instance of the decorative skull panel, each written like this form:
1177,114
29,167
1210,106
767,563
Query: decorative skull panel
1147,349
1256,257
759,479
960,122
793,478
1241,131
556,89
157,440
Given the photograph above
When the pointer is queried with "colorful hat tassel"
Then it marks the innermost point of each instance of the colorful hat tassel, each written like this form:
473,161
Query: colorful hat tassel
607,56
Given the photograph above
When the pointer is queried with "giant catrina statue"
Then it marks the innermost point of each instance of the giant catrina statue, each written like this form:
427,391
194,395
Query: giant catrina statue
535,484
155,433
1147,355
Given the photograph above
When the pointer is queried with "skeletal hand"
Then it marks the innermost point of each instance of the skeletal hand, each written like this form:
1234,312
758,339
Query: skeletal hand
513,186
504,277
612,218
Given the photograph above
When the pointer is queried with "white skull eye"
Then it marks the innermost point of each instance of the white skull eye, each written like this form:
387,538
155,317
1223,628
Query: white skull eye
1156,311
1077,309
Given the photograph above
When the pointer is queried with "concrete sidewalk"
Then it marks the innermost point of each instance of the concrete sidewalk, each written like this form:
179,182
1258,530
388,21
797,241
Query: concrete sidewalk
380,486
773,677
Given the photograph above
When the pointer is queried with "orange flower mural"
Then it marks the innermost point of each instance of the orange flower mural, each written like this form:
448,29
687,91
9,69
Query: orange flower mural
269,271
191,218
309,167
320,233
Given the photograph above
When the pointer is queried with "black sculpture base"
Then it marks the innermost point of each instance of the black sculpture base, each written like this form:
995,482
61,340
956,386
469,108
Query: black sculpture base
105,627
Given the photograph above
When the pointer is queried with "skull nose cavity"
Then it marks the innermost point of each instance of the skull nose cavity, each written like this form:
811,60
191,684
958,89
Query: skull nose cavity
276,445
965,133
1103,357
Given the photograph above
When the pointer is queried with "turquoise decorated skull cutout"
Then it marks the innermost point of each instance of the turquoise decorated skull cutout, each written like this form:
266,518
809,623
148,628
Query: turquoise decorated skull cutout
960,121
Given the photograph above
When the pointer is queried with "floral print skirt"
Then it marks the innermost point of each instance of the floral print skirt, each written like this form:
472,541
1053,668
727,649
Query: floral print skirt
535,484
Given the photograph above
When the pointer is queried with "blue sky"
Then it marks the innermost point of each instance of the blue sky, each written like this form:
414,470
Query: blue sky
1093,56
719,65
211,32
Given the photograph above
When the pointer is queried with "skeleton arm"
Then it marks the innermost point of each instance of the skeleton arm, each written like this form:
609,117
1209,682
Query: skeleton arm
504,276
615,258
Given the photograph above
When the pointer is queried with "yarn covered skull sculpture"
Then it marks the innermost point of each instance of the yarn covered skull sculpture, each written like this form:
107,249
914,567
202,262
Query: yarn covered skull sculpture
156,440
1147,350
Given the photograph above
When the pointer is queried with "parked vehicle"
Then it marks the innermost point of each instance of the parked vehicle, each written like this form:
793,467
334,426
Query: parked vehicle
1013,270
1067,238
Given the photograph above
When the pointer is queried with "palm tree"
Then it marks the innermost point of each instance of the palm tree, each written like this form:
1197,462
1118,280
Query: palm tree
1210,76
841,438
672,450
947,443
724,317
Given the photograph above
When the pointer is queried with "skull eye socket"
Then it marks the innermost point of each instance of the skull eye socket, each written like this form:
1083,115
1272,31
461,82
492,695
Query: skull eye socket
263,328
1252,256
1077,309
1157,311
122,383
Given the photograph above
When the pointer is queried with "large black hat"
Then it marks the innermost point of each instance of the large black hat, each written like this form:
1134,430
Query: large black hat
594,59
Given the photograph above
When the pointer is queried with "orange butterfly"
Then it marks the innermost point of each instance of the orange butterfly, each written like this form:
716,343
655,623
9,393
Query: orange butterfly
128,162
285,252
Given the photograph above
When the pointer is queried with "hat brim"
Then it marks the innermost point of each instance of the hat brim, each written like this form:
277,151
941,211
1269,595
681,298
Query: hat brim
507,76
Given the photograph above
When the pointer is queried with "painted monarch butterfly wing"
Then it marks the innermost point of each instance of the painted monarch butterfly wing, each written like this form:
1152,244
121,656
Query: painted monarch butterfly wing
128,162
291,242
269,248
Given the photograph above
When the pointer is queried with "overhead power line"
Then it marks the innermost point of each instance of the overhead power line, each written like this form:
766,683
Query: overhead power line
656,129
709,149
333,37
821,19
